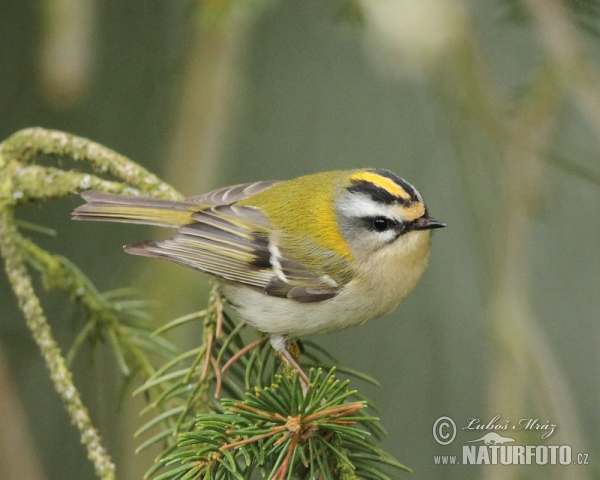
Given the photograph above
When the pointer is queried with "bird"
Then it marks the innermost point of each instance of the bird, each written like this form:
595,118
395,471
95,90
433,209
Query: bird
314,254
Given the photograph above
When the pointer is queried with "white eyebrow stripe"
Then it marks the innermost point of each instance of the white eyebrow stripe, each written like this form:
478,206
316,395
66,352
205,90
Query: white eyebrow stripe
362,206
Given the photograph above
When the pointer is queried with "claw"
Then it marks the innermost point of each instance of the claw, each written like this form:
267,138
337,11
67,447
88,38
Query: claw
280,344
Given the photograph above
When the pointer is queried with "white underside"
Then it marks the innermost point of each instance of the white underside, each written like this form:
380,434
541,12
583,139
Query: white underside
391,274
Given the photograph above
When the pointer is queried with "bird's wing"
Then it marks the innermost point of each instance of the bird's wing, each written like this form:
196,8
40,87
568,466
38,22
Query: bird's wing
236,244
110,207
230,195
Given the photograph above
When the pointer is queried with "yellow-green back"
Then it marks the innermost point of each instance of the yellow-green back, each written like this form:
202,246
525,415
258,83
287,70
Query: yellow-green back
303,209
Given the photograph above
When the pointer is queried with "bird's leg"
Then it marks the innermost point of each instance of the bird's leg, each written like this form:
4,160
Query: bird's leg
280,344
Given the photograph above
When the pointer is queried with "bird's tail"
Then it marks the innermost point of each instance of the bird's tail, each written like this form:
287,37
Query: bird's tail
107,207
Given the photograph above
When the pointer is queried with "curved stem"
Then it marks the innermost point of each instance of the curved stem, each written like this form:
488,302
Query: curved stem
36,321
27,144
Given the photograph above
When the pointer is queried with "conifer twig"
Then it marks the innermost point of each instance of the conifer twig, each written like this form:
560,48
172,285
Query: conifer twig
36,321
27,144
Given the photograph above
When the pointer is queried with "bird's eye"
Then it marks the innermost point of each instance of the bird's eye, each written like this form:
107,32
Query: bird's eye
381,224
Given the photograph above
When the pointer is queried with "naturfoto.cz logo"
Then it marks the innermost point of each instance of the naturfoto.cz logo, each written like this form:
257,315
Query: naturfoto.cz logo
493,448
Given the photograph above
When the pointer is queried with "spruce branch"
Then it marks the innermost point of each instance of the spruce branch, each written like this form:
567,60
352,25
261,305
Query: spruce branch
20,181
284,432
196,448
36,321
29,144
284,428
34,182
114,315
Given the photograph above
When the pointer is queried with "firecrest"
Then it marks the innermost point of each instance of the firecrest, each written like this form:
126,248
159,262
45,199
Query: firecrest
314,254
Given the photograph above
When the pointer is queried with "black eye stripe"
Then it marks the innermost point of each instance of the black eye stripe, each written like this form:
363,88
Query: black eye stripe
382,224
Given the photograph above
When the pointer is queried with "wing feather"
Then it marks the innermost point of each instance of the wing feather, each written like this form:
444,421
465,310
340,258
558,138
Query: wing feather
229,195
235,243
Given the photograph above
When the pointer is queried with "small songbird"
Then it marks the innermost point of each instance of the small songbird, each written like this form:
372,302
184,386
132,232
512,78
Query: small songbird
314,254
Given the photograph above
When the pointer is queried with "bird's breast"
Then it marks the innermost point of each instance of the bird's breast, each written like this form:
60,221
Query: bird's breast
376,289
391,273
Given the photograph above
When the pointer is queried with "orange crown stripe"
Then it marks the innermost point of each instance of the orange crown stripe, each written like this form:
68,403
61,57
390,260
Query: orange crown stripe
382,182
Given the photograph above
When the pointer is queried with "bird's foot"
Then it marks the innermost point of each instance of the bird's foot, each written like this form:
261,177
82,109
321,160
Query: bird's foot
280,344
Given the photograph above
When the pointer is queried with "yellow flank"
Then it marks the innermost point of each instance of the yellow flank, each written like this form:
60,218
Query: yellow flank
383,182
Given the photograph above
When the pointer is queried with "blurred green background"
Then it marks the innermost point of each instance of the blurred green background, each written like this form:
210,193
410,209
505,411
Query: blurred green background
492,109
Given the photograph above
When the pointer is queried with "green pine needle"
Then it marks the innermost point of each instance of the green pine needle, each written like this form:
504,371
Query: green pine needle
286,430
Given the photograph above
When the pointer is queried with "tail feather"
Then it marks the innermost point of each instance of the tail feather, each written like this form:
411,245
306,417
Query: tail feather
106,207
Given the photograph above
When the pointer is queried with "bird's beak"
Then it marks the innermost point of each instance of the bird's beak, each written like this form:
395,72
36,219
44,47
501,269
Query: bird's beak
425,223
